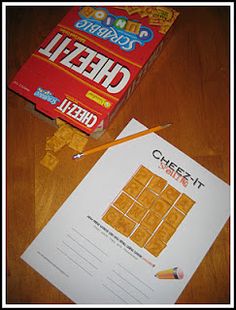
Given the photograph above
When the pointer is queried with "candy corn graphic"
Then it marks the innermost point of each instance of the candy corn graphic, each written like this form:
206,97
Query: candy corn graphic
173,273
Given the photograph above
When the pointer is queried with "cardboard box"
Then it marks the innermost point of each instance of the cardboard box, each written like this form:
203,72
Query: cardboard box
91,62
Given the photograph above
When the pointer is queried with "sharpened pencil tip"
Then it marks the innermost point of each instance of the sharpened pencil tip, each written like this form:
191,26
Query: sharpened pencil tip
167,125
77,156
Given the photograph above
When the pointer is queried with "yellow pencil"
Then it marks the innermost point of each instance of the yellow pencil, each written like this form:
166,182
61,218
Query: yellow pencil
119,141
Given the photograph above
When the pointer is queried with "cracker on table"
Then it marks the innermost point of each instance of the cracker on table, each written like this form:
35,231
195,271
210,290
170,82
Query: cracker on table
170,194
140,236
133,188
136,212
60,122
174,217
54,144
143,175
65,132
49,161
146,198
123,202
184,203
78,142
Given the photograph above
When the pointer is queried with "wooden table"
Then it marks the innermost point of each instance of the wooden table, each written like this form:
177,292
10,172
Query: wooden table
187,85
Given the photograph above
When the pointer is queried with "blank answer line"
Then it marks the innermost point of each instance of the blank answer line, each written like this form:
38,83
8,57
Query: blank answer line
89,241
130,284
74,261
84,248
136,277
114,293
124,290
53,264
79,255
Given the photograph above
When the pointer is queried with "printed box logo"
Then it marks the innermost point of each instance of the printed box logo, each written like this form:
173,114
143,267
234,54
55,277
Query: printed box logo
46,95
118,30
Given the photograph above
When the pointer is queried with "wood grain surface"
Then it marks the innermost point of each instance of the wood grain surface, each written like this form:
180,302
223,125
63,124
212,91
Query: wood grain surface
188,85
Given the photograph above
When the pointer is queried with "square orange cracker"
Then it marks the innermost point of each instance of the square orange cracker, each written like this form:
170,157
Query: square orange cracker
78,142
132,26
112,216
133,188
157,184
125,226
136,212
170,194
60,122
49,161
184,203
132,9
140,236
146,198
174,217
143,175
87,11
164,232
65,132
160,207
54,144
123,202
155,246
150,221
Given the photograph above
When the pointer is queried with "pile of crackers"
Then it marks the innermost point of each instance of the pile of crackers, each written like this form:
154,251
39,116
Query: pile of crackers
65,135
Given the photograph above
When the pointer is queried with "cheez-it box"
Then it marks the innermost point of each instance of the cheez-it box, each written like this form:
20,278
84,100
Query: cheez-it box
91,62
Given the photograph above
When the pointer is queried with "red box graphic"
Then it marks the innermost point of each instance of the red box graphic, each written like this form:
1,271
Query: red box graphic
91,62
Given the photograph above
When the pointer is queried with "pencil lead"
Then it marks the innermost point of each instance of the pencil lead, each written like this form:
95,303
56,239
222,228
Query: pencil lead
79,155
167,125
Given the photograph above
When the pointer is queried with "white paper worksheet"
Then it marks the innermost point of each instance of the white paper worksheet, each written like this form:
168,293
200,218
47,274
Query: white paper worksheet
95,257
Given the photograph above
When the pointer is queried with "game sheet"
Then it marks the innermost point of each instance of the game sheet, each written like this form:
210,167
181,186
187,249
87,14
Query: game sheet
135,229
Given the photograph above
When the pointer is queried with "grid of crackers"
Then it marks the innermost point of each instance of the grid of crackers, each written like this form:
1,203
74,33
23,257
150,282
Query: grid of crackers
148,211
157,15
64,135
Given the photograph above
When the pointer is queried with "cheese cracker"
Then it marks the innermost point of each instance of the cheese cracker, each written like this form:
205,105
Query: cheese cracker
78,142
155,246
49,161
184,203
136,212
123,202
112,216
150,221
65,132
143,175
54,144
125,226
174,217
170,194
146,198
157,184
133,188
165,232
140,236
160,207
